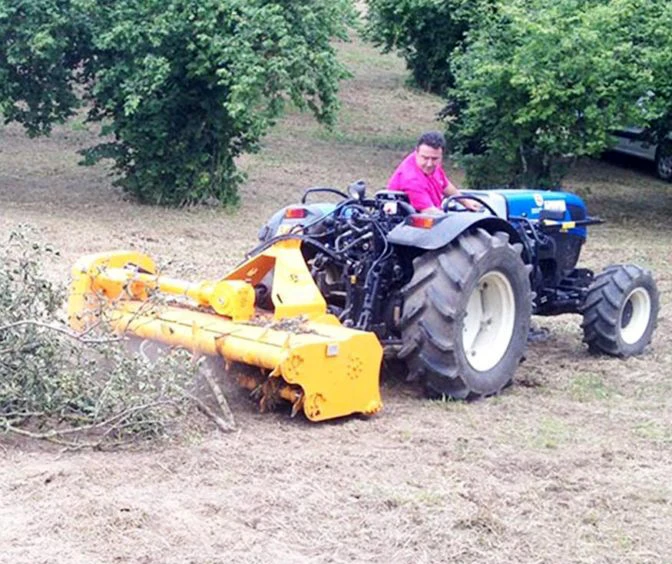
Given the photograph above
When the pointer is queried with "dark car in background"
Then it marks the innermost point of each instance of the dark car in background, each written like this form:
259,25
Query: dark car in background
637,142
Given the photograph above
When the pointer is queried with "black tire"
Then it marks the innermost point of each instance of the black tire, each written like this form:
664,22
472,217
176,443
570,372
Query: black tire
620,311
436,329
664,161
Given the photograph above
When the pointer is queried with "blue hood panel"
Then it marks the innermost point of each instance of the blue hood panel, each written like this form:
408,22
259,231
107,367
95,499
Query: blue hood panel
559,206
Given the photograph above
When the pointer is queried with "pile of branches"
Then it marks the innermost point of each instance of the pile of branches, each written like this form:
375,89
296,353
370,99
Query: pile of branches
77,389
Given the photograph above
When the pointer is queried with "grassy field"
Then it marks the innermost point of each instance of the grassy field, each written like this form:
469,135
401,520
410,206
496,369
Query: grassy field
571,464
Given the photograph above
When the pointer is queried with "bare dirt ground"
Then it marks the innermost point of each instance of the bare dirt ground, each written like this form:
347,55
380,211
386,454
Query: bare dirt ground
571,464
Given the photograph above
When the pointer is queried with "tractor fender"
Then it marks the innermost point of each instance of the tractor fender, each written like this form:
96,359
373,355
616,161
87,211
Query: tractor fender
447,229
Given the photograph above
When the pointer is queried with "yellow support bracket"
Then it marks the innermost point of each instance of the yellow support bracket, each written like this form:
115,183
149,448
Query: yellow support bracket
294,292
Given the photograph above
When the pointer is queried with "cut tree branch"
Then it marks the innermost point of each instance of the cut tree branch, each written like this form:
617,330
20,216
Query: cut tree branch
60,329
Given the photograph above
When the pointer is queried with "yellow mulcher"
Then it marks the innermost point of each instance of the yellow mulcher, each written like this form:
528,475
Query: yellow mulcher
449,295
306,355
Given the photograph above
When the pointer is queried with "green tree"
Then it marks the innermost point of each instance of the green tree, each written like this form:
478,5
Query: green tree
181,87
425,33
539,84
42,44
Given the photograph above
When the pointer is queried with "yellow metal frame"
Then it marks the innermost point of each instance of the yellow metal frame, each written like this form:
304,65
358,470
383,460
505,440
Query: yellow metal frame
294,292
300,345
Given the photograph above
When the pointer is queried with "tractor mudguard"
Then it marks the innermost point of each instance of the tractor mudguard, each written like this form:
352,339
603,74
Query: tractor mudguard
446,229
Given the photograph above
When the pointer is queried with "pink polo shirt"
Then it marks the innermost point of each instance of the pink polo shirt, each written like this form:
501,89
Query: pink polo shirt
423,191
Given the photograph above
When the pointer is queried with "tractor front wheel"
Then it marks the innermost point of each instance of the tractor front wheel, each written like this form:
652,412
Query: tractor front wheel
466,316
620,311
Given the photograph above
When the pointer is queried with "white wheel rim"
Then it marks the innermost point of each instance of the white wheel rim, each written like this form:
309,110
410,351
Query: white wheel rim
489,321
635,315
665,166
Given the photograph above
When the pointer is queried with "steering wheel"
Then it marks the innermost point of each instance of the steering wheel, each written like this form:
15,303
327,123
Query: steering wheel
450,203
318,189
355,191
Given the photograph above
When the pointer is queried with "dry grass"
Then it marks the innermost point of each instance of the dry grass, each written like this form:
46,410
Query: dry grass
571,464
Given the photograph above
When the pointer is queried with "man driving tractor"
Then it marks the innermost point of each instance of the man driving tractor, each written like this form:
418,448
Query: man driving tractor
421,176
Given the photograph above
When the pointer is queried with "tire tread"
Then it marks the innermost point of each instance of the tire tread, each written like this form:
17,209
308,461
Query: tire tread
431,317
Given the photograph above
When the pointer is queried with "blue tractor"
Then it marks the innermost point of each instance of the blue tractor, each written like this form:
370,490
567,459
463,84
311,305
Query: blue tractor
452,295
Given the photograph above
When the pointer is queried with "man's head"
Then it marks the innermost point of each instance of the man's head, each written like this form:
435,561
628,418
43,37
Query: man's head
429,151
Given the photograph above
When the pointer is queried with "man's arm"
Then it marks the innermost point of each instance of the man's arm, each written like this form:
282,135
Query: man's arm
417,195
421,201
452,190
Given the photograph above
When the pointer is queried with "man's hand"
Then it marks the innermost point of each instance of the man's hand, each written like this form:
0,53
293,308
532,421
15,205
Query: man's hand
471,205
459,201
452,190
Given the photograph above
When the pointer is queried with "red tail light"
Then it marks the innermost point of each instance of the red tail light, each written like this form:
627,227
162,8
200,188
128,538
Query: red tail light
422,221
295,213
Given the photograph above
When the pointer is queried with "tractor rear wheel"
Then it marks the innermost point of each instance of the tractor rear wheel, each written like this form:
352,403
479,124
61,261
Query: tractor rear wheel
620,311
466,316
